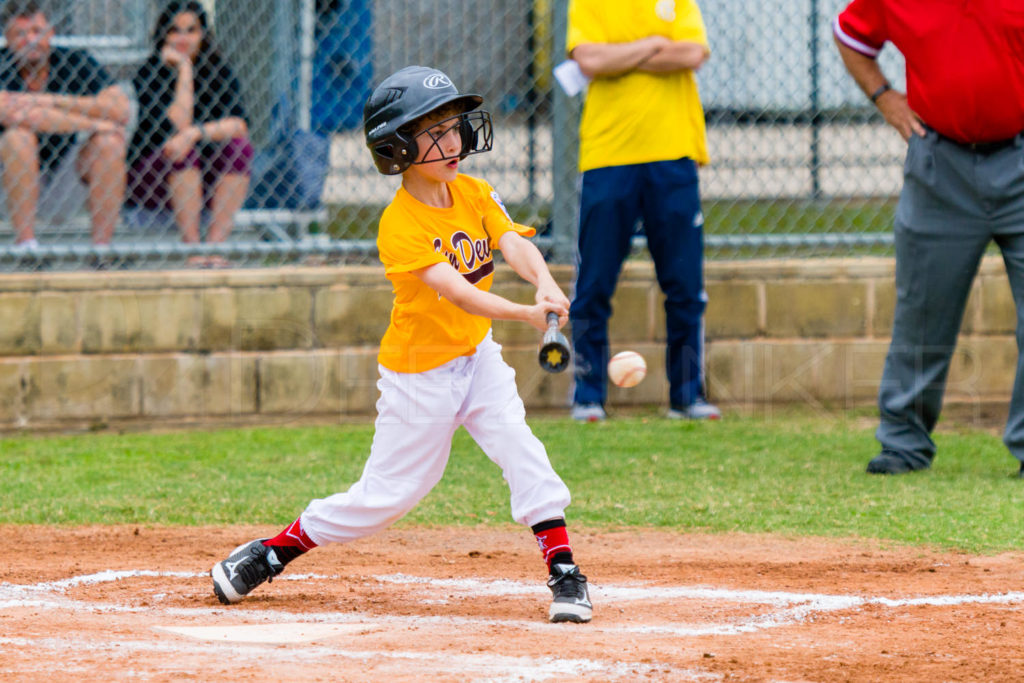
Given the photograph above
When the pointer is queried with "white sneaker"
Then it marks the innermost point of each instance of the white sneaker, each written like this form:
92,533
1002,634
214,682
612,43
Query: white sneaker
588,412
31,244
698,410
570,597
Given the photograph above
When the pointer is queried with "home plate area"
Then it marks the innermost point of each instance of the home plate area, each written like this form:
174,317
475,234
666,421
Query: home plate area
470,605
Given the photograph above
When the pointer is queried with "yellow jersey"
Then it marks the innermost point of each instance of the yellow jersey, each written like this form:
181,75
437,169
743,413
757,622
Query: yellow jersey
639,117
426,330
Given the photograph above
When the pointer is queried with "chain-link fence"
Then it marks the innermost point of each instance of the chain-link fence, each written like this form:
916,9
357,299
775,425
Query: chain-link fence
152,134
801,164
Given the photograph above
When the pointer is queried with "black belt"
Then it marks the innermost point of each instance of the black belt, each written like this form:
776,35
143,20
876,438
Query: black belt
981,147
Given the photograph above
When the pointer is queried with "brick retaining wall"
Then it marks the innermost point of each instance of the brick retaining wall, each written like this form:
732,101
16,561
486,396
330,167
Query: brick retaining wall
80,349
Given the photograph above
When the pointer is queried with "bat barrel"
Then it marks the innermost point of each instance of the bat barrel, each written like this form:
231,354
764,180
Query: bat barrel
554,350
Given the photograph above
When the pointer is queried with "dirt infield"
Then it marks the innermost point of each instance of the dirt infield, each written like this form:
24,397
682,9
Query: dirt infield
117,603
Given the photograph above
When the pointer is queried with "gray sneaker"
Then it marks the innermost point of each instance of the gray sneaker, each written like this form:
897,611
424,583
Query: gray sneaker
698,410
571,600
588,412
248,565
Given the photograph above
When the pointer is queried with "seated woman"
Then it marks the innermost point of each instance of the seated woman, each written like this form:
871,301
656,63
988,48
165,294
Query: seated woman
191,148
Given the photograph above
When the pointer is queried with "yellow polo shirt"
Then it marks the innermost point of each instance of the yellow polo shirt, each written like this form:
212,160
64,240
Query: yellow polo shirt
427,331
639,117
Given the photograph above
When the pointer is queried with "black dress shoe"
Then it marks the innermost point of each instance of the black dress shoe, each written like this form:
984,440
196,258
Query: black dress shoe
1020,473
895,462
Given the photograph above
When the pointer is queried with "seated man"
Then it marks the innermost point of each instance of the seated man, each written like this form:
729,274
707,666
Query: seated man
47,96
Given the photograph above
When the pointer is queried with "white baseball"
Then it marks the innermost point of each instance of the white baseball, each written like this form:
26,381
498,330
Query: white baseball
627,368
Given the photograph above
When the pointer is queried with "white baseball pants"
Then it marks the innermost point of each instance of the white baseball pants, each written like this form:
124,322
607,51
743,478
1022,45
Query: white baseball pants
417,415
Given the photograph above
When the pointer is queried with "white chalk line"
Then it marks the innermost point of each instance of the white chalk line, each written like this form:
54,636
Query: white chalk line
488,667
492,668
789,608
800,605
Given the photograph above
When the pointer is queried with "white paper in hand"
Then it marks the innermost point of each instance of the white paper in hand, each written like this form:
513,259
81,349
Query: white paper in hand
570,77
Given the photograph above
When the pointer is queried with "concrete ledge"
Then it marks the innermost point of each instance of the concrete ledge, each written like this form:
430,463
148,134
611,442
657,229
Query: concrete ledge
294,342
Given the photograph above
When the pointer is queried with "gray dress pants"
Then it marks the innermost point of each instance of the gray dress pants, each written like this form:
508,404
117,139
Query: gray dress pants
953,204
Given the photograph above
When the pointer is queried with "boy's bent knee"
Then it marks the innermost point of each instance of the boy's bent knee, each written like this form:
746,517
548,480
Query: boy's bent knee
110,146
20,141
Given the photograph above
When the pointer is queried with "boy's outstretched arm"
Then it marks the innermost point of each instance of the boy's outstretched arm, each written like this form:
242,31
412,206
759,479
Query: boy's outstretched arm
446,281
524,258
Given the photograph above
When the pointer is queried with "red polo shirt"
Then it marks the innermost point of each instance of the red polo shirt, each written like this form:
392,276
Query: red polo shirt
965,59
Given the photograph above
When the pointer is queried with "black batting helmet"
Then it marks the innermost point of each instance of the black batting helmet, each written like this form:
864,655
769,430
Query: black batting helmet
407,95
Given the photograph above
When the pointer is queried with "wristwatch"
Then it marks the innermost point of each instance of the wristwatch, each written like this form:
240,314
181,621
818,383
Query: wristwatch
882,89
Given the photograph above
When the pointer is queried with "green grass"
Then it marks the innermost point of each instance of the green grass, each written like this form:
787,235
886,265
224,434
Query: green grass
732,218
794,474
723,217
798,216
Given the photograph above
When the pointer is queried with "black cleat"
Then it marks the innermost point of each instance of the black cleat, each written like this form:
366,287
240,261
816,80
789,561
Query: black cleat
248,565
893,462
571,600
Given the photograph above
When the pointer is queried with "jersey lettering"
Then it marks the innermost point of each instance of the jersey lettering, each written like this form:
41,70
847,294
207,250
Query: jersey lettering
472,258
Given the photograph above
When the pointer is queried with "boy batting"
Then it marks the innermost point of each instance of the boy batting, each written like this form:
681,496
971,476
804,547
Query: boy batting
439,367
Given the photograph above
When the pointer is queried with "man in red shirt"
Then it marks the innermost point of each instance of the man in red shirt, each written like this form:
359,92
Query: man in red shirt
963,187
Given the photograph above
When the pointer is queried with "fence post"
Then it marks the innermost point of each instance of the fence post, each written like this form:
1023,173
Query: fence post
531,104
815,104
307,22
565,140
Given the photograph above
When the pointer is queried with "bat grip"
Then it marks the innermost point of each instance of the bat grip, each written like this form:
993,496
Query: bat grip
552,318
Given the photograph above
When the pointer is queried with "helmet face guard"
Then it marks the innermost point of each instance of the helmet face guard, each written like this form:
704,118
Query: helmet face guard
406,96
475,134
399,152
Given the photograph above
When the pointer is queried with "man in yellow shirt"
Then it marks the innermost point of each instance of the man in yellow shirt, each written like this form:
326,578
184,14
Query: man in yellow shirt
641,139
440,369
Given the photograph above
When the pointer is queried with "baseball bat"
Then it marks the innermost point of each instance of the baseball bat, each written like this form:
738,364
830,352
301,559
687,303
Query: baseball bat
554,348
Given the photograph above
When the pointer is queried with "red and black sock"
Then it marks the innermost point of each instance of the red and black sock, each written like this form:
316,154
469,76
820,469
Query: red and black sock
553,539
290,543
